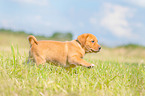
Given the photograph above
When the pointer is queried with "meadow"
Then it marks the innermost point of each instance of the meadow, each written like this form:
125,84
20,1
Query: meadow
118,72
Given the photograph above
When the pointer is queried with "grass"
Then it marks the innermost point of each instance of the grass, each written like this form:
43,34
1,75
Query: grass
115,73
132,46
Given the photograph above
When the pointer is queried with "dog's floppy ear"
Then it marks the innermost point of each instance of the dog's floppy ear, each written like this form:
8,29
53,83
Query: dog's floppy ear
82,39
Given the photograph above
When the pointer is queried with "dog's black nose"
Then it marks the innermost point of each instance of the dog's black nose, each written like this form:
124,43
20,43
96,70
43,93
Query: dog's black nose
99,48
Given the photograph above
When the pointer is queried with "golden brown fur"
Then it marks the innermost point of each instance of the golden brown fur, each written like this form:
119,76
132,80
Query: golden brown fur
66,54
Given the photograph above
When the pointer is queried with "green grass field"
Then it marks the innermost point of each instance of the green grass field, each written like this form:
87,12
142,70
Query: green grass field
118,71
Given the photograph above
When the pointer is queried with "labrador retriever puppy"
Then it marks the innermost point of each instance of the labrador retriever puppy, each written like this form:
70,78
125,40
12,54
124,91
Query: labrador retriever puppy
67,54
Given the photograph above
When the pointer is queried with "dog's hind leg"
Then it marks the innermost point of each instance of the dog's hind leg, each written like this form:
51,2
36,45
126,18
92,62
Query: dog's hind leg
30,58
39,60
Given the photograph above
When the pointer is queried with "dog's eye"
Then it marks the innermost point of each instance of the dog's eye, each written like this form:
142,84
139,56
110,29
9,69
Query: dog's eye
92,41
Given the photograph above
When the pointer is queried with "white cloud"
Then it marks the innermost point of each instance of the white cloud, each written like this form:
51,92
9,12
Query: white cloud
93,20
39,19
115,20
137,2
36,2
81,24
7,24
138,25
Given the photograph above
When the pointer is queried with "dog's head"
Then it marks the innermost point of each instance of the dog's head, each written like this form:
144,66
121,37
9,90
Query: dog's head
89,42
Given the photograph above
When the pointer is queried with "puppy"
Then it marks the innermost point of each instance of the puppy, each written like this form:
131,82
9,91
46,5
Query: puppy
66,54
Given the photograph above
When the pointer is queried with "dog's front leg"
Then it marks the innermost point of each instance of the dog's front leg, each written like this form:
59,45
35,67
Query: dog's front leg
79,61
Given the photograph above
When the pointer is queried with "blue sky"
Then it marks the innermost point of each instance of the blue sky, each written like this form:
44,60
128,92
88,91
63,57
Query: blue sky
113,22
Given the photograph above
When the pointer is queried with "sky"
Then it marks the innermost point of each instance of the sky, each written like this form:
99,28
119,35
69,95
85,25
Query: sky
113,22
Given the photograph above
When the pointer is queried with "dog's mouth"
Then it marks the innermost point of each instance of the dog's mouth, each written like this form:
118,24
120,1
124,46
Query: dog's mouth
93,51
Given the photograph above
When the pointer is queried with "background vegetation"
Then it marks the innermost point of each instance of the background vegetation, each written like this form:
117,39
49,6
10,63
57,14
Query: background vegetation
117,71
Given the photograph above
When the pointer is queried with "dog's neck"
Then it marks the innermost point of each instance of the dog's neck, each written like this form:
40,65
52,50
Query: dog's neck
78,41
79,44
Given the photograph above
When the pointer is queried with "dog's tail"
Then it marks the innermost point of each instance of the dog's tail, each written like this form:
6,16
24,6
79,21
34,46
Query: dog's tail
32,40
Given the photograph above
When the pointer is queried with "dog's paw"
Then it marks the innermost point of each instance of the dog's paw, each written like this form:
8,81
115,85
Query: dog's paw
91,66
